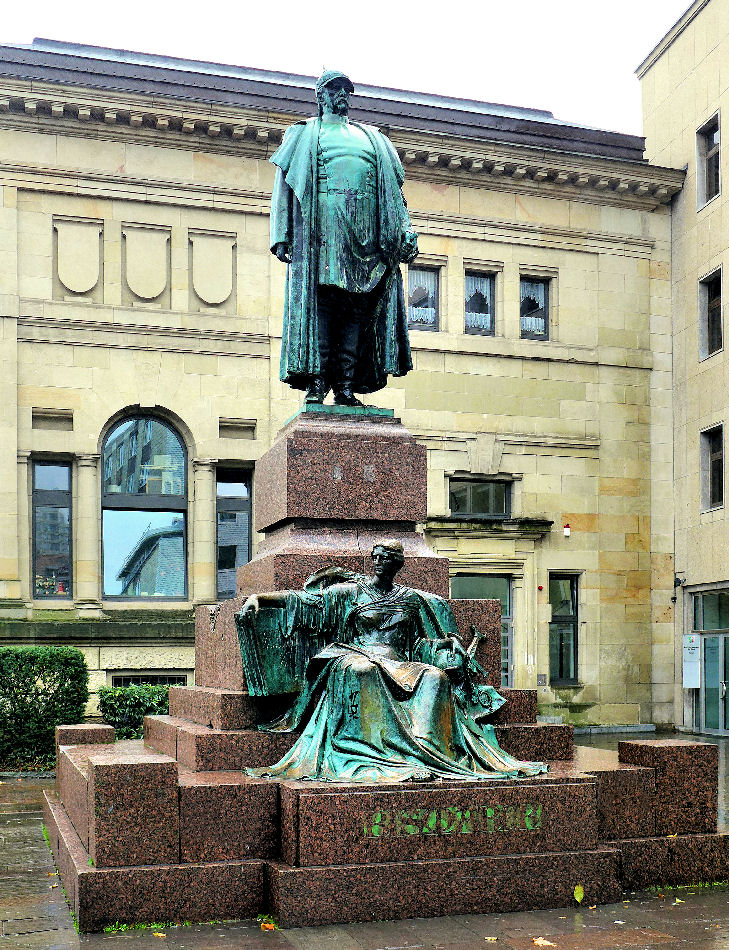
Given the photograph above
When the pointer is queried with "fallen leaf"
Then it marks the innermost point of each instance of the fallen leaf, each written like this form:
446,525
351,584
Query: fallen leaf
155,934
672,836
490,939
54,885
563,918
579,893
592,907
542,942
677,901
618,921
267,925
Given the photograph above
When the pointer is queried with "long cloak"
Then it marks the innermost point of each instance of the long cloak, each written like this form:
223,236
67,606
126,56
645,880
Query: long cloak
384,347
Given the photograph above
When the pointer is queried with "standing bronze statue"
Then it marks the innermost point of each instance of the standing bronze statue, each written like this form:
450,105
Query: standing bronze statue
340,223
388,694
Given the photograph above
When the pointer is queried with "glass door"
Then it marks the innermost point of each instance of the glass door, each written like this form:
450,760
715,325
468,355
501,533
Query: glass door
714,681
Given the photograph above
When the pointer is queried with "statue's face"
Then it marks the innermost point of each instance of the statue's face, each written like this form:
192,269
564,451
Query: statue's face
335,98
385,564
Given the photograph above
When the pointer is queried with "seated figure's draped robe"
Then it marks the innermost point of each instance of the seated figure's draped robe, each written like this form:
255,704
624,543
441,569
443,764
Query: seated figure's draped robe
371,709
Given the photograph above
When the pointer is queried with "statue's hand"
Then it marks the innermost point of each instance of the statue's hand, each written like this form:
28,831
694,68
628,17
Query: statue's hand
408,247
250,607
282,250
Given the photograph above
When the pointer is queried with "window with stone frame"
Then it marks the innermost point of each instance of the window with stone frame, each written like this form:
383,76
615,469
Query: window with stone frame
51,512
233,531
534,307
479,303
708,161
711,330
712,468
479,498
563,629
144,511
423,298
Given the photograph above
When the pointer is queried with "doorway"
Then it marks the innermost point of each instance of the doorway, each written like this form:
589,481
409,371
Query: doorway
713,698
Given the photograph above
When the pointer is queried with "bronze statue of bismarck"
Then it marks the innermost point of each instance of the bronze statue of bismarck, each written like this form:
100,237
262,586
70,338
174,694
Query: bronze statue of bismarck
340,223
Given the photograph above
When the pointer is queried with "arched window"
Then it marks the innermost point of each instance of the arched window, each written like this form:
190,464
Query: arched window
144,509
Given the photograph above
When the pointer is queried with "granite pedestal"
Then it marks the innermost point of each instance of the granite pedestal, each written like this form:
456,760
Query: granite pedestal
172,828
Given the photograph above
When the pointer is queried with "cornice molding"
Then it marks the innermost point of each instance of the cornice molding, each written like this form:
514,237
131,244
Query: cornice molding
427,156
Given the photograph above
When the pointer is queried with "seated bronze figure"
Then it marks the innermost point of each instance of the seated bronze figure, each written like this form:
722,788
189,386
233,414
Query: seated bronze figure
388,691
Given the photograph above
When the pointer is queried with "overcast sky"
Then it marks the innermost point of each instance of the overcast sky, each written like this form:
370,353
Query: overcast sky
575,58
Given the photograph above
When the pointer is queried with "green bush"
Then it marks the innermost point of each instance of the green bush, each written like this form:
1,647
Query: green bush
124,707
40,688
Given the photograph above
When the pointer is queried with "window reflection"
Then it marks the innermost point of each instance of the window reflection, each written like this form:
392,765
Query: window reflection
158,469
144,553
52,540
51,477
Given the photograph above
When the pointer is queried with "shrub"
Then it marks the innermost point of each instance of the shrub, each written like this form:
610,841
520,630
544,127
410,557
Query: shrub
40,688
124,707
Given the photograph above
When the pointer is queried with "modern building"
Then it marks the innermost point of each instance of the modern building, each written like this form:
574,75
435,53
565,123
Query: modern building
141,322
685,103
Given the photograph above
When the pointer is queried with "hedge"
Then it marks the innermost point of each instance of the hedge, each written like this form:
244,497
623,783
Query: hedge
124,707
40,688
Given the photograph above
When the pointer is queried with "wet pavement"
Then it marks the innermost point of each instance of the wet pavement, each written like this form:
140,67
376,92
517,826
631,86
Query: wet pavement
34,914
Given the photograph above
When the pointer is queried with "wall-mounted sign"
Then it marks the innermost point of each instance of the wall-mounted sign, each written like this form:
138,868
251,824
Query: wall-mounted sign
691,661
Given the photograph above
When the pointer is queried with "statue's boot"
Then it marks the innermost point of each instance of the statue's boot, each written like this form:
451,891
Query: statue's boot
316,391
343,396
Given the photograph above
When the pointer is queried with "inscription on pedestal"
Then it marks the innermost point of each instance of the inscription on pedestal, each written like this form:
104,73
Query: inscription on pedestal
479,820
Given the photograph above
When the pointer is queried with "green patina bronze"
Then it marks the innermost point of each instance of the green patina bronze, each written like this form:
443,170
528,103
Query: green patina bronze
386,691
339,221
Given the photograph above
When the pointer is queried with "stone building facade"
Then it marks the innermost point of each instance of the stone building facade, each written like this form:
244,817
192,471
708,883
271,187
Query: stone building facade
685,100
140,302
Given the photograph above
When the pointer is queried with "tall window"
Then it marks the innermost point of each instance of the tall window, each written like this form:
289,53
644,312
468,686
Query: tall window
712,468
711,336
563,629
534,308
708,161
480,303
233,490
492,587
51,529
482,499
144,509
423,298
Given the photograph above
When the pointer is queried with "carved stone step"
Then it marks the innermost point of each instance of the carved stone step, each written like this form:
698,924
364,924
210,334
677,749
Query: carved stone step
308,897
176,892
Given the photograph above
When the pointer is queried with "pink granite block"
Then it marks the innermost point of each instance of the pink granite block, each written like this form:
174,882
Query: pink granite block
196,892
72,784
687,775
294,551
160,734
217,653
345,468
324,825
683,859
227,816
538,742
485,617
625,793
134,812
208,750
224,709
309,897
520,707
84,733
